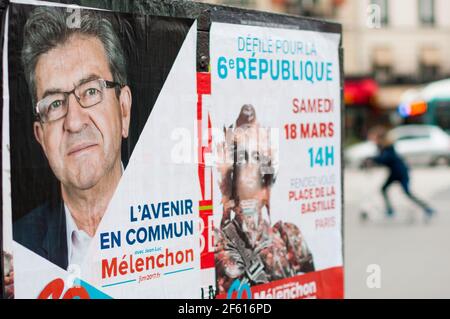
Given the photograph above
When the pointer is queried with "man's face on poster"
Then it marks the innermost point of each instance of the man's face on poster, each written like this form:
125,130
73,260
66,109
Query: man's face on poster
252,146
84,145
248,112
252,156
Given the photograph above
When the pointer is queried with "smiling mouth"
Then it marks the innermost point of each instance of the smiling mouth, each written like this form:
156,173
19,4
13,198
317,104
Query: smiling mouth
81,148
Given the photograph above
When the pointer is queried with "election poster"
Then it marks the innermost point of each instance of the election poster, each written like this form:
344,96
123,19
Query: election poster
274,107
92,202
161,156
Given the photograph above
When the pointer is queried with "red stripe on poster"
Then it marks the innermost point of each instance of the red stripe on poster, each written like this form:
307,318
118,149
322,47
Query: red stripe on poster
323,284
206,256
203,83
205,205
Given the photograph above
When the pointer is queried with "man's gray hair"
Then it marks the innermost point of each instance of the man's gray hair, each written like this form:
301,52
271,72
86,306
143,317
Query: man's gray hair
48,27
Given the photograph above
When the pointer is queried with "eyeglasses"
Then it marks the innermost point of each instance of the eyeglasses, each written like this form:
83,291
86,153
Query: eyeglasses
56,105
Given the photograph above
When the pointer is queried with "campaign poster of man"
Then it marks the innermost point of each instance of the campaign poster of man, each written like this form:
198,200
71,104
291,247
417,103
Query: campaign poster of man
82,85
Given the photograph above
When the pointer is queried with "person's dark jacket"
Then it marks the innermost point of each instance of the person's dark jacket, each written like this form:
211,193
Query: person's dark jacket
390,158
43,231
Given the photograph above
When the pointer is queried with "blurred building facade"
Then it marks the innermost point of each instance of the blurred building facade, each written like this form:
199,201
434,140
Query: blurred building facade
401,45
310,8
398,41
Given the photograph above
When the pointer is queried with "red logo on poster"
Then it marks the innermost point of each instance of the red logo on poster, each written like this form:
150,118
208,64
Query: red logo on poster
55,289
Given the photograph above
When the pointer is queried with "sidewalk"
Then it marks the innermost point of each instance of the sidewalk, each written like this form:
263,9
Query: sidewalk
414,258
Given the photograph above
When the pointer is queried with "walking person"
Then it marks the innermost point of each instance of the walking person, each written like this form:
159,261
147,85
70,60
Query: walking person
398,170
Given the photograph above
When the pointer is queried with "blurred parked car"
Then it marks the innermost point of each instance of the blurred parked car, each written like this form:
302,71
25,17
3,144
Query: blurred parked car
418,144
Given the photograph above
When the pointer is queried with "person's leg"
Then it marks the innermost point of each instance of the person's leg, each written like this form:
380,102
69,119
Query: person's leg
405,185
389,210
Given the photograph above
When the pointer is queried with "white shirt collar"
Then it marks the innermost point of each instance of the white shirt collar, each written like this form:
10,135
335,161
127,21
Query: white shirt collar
73,234
73,231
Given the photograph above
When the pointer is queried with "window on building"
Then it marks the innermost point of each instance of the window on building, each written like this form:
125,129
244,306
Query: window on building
429,64
384,12
301,7
442,115
426,12
382,61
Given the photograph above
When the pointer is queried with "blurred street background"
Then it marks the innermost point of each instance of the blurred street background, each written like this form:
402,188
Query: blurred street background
413,256
397,74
